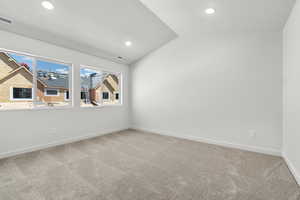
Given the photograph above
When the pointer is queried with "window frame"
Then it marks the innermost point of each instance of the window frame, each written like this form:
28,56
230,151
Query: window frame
50,95
100,68
20,99
34,82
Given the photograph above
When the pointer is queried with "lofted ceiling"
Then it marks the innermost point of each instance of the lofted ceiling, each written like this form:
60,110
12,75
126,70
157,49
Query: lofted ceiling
97,27
230,16
101,27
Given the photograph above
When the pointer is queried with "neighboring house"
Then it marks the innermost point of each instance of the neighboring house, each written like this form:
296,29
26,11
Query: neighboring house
56,90
97,89
16,83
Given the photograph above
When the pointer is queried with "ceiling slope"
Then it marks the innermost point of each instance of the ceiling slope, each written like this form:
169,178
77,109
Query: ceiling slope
231,15
96,27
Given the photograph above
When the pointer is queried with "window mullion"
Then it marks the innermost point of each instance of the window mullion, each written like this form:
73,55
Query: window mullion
34,82
70,89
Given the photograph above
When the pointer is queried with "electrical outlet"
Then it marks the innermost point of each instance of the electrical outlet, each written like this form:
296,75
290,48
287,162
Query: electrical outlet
53,130
252,133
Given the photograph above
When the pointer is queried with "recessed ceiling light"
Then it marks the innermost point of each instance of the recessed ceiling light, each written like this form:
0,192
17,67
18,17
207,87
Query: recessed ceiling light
48,5
128,43
210,11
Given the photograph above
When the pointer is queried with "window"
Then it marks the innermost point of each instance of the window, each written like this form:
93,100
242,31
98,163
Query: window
51,92
117,96
105,95
54,79
67,95
98,87
28,82
22,93
16,81
83,95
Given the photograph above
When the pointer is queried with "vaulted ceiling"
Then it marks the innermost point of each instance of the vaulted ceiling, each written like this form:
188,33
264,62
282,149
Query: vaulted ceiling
97,27
230,16
102,27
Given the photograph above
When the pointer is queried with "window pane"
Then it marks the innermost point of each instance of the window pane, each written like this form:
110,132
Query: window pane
90,80
52,84
51,92
16,81
111,85
99,87
83,95
22,93
105,95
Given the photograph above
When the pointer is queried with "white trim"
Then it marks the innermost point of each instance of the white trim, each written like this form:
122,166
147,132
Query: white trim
18,99
71,86
50,95
57,143
101,106
292,168
34,81
38,109
121,89
269,151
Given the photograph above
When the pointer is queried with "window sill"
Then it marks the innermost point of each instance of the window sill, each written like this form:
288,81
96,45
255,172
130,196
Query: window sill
21,100
60,108
102,106
38,109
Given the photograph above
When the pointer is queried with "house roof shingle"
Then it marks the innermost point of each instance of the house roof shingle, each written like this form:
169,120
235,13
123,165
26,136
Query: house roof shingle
57,83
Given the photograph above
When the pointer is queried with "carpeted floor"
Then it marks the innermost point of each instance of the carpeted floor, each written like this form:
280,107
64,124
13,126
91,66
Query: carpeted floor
132,165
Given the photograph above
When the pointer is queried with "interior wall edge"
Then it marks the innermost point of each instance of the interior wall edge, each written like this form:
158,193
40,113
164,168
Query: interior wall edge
57,143
291,167
256,149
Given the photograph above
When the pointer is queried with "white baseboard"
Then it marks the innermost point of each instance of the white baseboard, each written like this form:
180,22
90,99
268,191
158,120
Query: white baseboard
56,143
269,151
292,168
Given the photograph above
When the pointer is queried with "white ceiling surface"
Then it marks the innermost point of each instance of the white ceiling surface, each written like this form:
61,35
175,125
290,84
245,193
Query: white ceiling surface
97,27
231,15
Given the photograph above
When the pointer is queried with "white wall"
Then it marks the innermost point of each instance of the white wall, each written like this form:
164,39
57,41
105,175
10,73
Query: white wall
26,130
216,88
291,65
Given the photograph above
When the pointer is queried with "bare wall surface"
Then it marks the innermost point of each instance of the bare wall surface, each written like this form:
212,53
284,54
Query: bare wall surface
225,88
291,65
22,130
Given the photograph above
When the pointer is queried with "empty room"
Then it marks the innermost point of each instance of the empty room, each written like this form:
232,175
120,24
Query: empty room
150,100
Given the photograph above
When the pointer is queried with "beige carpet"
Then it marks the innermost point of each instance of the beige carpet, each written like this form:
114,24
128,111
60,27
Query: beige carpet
133,165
